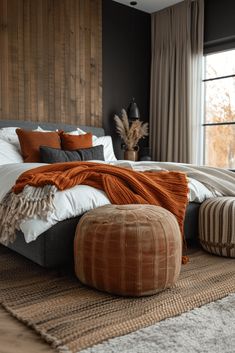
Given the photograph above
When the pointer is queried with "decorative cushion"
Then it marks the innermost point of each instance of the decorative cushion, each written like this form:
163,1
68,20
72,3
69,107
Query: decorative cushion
75,142
217,226
54,155
30,142
128,249
92,153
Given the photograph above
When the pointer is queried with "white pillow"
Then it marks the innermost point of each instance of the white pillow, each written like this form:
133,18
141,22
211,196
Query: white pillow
9,153
39,129
74,133
80,131
107,142
9,135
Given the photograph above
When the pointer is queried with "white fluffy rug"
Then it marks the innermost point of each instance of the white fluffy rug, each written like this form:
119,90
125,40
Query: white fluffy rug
209,329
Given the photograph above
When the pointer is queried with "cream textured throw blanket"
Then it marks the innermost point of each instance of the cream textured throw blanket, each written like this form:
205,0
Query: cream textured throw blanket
26,205
217,180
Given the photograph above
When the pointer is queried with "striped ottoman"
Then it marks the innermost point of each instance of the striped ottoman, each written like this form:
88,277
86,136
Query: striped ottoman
131,250
217,226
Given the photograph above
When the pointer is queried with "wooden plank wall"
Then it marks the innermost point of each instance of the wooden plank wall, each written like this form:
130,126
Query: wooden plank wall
51,61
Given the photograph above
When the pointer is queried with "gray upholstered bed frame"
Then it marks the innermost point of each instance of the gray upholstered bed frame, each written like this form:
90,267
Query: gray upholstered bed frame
54,247
30,125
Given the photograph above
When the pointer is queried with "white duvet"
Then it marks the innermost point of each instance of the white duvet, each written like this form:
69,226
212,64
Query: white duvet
79,199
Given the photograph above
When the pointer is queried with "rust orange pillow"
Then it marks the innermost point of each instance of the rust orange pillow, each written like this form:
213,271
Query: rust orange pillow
75,142
30,142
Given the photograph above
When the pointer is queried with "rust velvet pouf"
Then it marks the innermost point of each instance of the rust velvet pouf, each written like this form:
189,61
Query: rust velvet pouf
131,250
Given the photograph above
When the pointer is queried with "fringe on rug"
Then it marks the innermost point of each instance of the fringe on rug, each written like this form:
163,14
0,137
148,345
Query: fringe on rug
14,208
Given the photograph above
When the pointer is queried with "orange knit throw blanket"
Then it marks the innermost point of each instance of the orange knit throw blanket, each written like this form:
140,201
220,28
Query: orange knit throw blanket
122,185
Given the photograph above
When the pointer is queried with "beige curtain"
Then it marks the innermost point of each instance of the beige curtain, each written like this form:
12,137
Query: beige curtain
176,74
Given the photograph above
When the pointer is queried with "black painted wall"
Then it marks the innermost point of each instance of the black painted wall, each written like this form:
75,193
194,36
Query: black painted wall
126,63
219,25
127,54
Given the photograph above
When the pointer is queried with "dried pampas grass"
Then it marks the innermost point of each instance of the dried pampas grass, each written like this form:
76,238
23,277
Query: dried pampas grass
130,133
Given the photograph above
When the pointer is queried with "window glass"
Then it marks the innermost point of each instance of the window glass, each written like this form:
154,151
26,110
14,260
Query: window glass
220,64
220,100
220,146
219,110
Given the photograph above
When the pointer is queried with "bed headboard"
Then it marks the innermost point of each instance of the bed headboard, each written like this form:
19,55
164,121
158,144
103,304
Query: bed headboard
30,125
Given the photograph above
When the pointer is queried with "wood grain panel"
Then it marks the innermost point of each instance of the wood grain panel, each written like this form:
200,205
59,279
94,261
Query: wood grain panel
82,53
4,59
21,76
51,61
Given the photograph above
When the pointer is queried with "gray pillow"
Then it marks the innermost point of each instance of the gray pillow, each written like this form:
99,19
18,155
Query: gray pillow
54,155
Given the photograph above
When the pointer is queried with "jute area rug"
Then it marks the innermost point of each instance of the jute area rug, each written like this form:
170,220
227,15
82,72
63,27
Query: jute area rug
208,329
72,317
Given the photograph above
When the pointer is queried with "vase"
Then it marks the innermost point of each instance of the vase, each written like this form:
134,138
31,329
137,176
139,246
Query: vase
131,155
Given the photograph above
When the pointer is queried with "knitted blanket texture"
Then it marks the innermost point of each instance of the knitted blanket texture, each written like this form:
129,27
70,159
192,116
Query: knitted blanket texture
34,190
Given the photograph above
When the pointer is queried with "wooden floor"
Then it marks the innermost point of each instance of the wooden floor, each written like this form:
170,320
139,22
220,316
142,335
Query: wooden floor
15,337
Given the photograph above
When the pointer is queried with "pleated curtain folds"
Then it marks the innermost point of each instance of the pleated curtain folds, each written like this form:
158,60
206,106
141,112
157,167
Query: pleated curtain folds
176,81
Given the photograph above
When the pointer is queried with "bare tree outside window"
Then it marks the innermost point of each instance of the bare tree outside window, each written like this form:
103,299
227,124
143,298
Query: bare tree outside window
219,117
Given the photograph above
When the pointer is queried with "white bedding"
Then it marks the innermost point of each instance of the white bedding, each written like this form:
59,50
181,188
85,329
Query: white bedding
79,199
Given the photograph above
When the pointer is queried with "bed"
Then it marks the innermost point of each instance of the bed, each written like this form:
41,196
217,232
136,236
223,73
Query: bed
54,247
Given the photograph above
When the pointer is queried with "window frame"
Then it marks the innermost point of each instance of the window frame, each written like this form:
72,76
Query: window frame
204,124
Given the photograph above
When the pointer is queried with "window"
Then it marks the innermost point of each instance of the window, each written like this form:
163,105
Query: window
219,109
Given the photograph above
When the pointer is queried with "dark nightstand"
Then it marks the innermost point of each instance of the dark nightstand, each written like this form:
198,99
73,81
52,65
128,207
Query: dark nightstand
145,158
145,154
